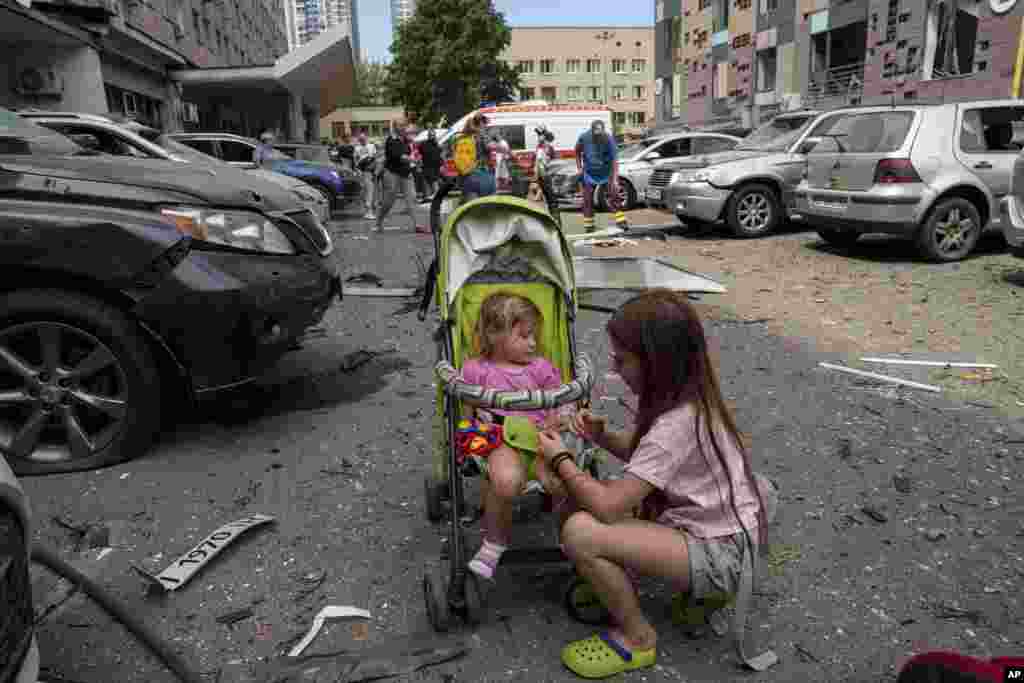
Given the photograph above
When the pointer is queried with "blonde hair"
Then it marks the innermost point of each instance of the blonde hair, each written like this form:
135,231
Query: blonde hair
499,313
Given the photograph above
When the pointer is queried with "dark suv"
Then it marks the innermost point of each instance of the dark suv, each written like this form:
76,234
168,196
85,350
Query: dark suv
126,283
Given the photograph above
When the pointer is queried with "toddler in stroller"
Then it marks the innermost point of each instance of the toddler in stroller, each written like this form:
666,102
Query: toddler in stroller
507,336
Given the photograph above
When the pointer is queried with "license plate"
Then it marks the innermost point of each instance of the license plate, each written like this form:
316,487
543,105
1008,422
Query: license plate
654,194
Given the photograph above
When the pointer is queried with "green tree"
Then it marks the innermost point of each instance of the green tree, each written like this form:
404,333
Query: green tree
372,85
448,41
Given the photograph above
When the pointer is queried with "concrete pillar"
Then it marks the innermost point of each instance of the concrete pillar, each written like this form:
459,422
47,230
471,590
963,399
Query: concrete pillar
83,81
296,118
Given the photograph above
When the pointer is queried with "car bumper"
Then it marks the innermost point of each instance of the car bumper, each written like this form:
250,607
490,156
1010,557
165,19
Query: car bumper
227,317
698,201
1010,212
863,212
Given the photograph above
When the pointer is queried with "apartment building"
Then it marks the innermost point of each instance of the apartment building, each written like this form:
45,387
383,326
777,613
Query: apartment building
742,61
401,10
612,65
306,19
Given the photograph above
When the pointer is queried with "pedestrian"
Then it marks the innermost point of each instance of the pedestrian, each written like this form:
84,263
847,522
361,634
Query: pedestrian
703,512
365,155
263,153
397,176
597,161
544,155
417,167
501,153
432,161
476,179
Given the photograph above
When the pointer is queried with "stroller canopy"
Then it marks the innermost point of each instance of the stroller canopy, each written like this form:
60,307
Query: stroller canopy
479,235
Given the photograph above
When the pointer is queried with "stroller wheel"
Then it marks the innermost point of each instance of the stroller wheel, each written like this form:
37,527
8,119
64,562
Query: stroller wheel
476,610
583,604
434,494
435,593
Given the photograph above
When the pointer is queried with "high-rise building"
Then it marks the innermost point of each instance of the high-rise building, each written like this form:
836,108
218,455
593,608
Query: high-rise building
307,18
401,10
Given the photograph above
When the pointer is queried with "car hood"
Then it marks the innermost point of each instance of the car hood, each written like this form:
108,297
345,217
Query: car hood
227,187
565,166
714,159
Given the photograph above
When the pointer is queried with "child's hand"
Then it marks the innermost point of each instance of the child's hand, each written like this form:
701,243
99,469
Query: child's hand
552,484
589,426
549,444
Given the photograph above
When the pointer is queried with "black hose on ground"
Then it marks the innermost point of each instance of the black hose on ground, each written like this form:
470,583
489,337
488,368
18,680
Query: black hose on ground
175,663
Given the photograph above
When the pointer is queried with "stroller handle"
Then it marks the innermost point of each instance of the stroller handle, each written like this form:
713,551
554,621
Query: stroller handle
533,399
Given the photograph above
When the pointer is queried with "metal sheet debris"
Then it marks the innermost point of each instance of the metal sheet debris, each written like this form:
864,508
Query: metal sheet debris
930,363
330,612
186,566
881,378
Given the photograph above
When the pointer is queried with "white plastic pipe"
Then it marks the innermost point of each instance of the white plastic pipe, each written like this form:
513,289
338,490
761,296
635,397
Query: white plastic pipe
881,378
931,363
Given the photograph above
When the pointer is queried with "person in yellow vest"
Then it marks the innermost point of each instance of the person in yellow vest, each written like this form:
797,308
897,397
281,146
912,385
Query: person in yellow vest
471,161
597,161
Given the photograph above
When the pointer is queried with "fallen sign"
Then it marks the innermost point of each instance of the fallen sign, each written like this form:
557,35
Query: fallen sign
881,378
185,567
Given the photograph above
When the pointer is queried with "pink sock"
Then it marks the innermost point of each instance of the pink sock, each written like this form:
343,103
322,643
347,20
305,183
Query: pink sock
486,560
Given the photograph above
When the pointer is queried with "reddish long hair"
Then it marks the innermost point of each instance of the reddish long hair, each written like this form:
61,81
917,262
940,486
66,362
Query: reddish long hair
664,331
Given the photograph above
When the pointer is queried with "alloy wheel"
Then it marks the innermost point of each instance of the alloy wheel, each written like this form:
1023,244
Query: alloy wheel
62,393
754,212
954,231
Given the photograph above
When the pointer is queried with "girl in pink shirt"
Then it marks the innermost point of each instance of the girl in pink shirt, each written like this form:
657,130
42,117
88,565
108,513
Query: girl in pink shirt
507,333
686,470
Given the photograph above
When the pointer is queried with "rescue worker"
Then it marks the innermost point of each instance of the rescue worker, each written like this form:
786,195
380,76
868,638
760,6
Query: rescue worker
597,162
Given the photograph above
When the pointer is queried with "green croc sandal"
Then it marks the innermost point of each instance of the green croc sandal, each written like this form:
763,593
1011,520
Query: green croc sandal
600,656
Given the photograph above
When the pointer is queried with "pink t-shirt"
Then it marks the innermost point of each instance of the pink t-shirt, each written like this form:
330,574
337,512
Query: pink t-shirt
668,458
539,374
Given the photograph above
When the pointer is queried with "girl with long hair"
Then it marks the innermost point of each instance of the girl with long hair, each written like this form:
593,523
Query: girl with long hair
686,470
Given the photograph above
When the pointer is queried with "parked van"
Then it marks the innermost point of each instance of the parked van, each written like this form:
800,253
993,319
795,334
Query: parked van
518,121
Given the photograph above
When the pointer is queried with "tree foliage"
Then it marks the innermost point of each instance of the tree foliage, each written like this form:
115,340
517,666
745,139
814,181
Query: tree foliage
371,87
449,41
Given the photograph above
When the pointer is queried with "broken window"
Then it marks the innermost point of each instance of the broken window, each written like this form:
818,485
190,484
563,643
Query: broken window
950,37
992,129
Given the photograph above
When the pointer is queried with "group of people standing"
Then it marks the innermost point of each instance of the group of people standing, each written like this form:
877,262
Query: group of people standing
406,168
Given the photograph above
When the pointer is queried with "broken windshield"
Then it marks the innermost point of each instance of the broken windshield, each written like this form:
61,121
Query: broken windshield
776,136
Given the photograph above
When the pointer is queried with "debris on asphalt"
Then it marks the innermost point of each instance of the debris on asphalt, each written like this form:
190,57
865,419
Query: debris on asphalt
881,378
935,535
379,292
234,616
356,359
845,449
366,277
311,582
930,363
381,661
185,567
805,654
875,514
329,613
902,483
952,612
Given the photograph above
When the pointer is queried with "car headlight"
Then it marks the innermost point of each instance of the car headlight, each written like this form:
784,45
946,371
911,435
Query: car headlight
308,195
239,229
703,176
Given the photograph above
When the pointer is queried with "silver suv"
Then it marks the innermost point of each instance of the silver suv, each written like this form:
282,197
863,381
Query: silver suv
936,173
1012,210
747,187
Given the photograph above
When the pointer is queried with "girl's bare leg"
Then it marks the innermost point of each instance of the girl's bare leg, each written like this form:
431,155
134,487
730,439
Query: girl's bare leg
505,472
601,553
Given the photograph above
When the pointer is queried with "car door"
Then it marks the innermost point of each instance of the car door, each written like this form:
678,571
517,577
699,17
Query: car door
987,143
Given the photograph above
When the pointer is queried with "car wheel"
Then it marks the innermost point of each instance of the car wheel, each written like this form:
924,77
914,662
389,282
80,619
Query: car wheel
839,238
951,230
79,387
753,210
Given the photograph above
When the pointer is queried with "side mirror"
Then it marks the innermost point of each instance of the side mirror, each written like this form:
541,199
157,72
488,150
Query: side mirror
808,144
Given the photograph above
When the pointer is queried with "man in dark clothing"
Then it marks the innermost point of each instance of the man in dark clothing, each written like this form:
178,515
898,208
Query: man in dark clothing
397,176
431,162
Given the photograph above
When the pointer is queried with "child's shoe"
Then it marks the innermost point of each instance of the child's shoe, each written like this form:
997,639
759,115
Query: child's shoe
486,560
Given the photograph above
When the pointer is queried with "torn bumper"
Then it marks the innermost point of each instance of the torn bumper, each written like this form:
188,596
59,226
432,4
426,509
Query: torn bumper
228,317
699,201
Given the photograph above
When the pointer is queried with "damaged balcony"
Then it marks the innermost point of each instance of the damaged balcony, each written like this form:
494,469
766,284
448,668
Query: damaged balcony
836,87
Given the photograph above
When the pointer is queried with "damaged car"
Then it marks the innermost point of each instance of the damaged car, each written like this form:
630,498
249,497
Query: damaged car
130,284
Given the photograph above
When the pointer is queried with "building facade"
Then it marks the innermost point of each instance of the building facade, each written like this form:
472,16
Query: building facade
175,65
401,10
375,121
611,65
742,61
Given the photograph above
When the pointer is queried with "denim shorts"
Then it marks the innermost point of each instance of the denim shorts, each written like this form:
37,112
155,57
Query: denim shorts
715,563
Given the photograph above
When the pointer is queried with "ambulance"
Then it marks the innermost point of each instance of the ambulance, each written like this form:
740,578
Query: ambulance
517,122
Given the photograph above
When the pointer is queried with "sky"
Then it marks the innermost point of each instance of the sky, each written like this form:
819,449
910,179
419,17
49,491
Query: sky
375,19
